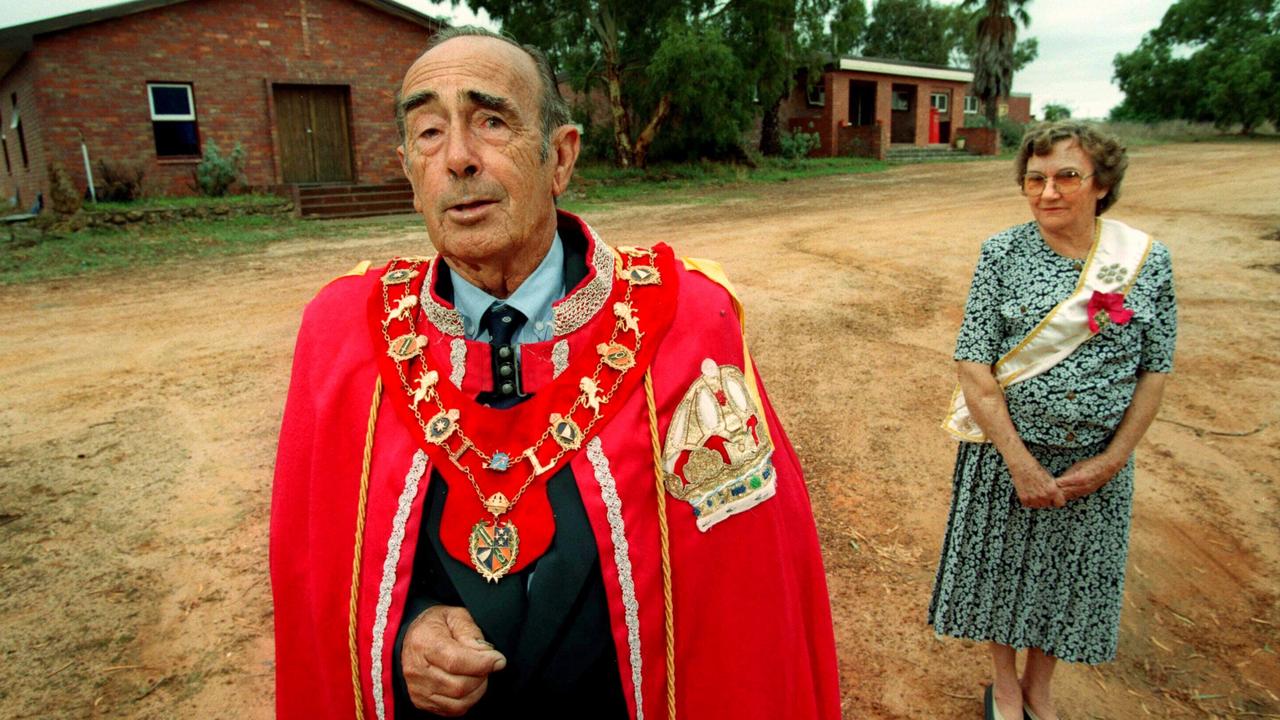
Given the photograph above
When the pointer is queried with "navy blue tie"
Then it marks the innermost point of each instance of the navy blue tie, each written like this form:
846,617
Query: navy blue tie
503,323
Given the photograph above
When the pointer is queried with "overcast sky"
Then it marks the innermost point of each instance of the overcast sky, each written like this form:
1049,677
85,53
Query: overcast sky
1078,39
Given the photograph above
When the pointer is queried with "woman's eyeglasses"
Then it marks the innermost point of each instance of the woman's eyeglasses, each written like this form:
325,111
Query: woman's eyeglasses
1066,181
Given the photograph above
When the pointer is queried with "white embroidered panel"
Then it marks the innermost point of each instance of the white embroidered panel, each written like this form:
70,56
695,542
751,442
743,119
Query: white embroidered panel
559,357
621,558
457,361
394,543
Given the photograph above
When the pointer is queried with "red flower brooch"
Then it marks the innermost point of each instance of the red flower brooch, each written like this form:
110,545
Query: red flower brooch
1107,307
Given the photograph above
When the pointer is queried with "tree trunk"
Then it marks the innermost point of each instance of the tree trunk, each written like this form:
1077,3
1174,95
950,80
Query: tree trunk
651,130
607,30
771,130
621,120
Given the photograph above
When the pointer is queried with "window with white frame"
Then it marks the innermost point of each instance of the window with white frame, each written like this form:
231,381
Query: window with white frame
971,105
173,119
940,101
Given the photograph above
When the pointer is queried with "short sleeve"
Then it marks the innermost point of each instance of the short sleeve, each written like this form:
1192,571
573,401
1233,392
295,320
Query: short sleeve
980,335
1162,331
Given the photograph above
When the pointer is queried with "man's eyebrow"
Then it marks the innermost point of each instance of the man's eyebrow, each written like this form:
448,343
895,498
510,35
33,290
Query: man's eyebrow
417,99
489,102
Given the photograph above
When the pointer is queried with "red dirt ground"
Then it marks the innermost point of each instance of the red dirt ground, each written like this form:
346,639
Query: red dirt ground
138,430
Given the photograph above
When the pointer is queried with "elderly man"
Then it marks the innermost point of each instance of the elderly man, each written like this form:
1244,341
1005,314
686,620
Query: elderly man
534,475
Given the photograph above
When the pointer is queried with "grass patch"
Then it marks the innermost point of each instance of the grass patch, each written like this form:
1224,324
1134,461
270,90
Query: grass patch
1136,134
596,184
32,257
177,203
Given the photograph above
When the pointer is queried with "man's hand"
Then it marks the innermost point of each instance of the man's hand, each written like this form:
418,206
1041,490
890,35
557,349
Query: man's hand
1087,476
446,661
1036,487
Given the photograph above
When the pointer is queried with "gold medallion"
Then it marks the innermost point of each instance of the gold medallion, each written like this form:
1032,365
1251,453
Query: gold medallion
494,546
497,504
406,346
617,356
440,427
642,275
395,277
566,432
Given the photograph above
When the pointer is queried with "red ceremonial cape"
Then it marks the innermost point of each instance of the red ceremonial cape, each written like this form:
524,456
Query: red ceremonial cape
751,616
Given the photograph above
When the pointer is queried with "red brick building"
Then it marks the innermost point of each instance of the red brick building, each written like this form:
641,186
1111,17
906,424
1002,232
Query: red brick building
864,106
305,86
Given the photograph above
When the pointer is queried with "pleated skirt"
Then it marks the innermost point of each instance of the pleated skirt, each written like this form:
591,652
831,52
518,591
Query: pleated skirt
1050,578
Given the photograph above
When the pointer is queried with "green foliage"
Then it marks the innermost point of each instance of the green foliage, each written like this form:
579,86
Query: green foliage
964,40
1056,111
119,180
796,145
216,173
64,198
994,53
1208,61
708,115
916,30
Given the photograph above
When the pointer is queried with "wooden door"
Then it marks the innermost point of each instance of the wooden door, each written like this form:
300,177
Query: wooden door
314,133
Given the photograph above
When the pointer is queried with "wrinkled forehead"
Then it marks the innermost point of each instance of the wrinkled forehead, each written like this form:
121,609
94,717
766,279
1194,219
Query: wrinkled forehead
1066,153
470,64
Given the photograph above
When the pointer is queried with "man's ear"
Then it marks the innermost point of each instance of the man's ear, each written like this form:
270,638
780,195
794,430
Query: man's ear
404,167
566,143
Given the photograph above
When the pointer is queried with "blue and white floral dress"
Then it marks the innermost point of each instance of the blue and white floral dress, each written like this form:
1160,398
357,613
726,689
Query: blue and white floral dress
1049,578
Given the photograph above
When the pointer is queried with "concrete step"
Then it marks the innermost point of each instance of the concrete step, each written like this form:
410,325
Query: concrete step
333,201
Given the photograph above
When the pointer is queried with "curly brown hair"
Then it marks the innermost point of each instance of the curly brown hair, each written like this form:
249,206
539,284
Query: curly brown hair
1109,157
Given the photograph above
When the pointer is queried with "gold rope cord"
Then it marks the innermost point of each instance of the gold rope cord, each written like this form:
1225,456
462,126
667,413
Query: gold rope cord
355,560
668,611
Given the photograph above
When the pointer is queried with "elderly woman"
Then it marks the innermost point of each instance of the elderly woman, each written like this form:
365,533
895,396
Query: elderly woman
1063,353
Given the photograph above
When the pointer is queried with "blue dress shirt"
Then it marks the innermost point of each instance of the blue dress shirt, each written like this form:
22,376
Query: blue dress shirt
533,298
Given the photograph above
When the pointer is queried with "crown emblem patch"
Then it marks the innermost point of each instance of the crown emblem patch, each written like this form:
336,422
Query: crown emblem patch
718,456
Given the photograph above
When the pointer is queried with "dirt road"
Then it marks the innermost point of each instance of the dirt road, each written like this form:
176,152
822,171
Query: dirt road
140,410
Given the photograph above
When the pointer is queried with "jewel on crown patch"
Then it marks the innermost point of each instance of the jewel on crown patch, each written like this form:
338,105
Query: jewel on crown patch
718,456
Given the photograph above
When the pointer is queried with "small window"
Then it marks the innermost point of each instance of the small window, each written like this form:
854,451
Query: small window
15,124
901,100
940,101
970,104
173,119
817,93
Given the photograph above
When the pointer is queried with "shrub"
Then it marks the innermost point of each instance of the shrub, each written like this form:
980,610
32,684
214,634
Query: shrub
63,196
120,181
216,173
1056,111
796,145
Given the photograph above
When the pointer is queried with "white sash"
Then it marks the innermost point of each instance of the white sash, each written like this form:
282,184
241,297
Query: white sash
1113,264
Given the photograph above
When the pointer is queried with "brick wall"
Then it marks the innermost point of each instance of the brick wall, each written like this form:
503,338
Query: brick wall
871,141
93,79
979,141
1019,108
17,180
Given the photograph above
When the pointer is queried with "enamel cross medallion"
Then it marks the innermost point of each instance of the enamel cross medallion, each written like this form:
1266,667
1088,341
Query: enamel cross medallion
494,546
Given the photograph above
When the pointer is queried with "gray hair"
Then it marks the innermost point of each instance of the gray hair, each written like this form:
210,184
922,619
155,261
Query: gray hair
554,111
